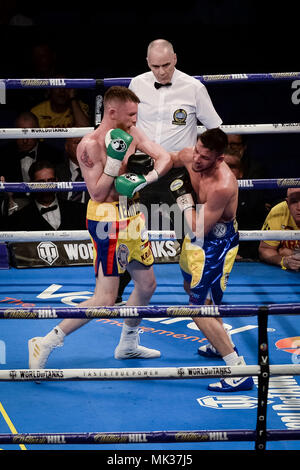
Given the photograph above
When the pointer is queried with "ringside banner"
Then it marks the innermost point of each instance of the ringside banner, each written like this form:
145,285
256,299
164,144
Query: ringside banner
76,253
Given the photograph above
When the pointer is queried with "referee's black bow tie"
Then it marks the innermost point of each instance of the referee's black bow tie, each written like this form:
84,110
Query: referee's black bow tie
48,209
159,85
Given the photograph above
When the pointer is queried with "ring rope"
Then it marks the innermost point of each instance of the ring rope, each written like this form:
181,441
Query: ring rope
68,132
146,437
222,78
45,132
139,373
143,373
64,186
163,235
24,83
153,311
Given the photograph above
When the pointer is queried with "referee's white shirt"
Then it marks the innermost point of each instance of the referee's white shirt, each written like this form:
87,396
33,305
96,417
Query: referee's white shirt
169,115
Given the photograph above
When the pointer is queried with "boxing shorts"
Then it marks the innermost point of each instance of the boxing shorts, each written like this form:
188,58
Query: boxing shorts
206,268
118,233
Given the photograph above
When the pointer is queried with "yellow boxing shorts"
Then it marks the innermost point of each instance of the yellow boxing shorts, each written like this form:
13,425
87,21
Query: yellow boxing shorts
207,267
118,233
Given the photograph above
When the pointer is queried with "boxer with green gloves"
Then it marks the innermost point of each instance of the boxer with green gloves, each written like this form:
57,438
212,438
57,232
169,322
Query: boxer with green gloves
119,240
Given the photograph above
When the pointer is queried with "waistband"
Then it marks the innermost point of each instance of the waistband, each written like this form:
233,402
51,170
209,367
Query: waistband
220,231
122,209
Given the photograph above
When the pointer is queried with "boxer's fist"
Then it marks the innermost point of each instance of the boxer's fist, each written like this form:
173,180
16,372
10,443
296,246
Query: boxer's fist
182,190
117,143
129,184
140,164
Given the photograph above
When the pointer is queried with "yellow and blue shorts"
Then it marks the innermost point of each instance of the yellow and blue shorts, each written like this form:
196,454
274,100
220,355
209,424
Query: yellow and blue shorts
118,233
206,268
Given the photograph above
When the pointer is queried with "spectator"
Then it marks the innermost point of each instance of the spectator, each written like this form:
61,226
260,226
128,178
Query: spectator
19,154
62,109
69,170
251,210
251,169
283,216
46,211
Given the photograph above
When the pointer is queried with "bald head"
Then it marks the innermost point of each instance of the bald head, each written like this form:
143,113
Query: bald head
161,60
160,45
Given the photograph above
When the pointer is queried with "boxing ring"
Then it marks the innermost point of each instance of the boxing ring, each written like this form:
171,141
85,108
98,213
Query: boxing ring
158,404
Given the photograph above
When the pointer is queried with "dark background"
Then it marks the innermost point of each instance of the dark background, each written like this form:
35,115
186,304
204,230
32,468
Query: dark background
104,40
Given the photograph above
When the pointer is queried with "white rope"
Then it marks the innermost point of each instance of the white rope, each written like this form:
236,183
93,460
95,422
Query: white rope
292,127
42,133
37,236
59,235
54,132
141,373
269,235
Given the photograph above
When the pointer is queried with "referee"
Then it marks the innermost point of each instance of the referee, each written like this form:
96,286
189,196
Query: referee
171,101
171,104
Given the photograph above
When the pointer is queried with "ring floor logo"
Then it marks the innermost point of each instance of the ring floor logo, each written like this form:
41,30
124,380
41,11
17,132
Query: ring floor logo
228,402
290,345
283,398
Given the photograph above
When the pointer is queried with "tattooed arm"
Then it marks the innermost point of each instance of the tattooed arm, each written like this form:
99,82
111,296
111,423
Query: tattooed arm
99,184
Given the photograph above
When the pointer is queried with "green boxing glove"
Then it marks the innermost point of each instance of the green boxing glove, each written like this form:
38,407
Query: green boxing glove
130,183
117,143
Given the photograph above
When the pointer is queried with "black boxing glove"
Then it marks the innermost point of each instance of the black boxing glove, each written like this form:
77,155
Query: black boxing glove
182,190
140,164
